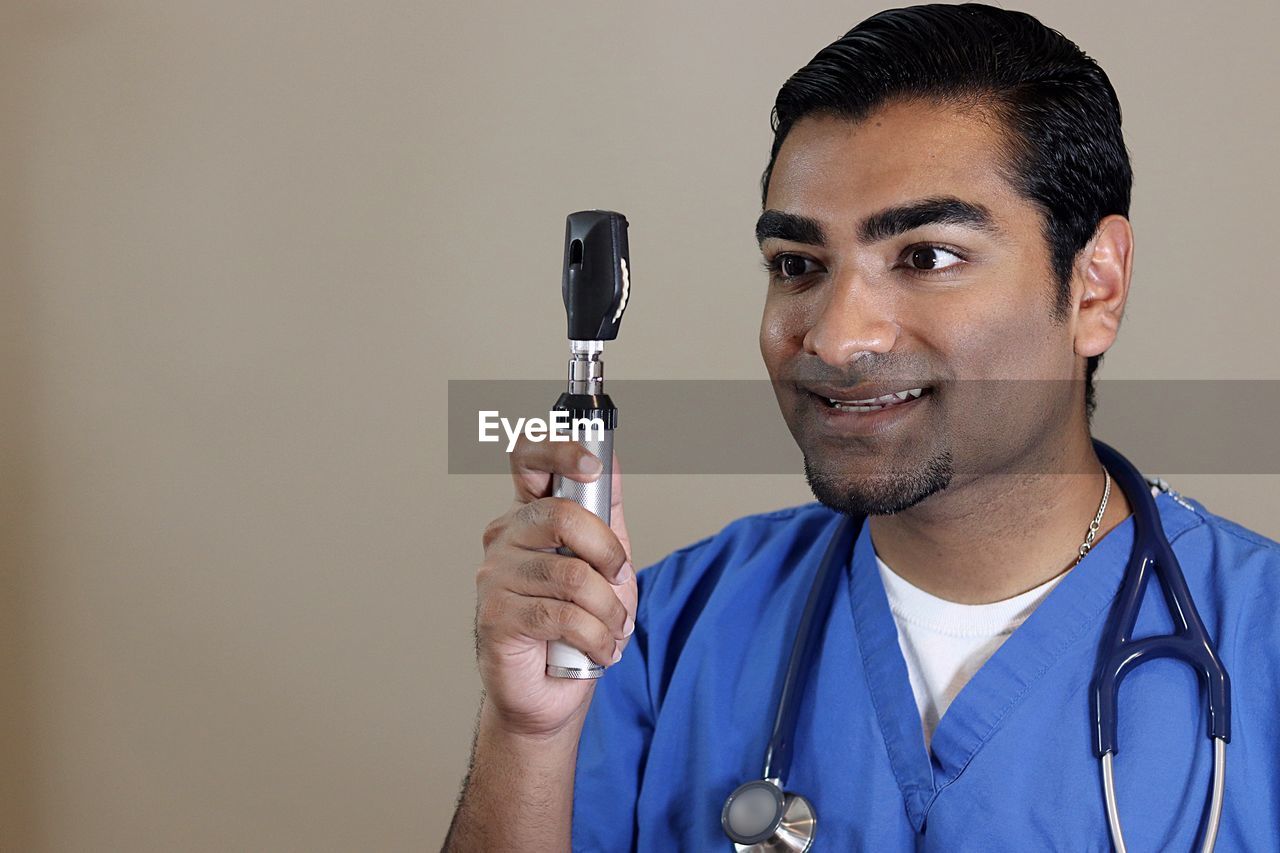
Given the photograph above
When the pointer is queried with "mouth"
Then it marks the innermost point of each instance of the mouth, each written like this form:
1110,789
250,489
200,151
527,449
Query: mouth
862,405
866,411
875,404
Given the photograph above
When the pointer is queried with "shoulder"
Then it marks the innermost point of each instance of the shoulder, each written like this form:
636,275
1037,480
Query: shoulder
1233,574
719,586
1236,568
1188,519
757,545
753,565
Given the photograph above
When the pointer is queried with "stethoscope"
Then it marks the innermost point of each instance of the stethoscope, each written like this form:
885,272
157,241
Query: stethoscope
761,817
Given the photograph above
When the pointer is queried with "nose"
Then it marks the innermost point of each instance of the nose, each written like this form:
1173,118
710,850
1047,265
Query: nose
855,320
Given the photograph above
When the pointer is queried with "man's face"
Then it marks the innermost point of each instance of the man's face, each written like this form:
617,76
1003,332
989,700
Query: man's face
903,261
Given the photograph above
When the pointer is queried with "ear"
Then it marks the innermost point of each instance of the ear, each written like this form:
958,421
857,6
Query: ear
1100,285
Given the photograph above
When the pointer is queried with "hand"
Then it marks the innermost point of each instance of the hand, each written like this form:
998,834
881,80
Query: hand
528,594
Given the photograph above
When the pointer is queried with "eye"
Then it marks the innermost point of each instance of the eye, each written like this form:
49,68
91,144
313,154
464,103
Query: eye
787,267
932,258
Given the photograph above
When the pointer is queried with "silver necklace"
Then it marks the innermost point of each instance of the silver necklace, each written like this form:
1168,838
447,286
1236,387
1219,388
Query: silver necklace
1097,519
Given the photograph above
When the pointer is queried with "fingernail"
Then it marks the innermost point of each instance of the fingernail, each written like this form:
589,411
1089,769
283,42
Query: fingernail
628,628
589,465
624,574
617,652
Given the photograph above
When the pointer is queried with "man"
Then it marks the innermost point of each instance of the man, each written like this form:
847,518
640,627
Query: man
945,227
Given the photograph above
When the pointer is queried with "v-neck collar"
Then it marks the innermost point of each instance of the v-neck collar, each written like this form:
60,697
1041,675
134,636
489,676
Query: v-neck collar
997,688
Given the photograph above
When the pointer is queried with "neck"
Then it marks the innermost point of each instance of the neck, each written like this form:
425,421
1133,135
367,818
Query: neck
997,535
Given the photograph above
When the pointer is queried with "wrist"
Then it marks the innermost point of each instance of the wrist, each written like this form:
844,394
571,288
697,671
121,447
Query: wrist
496,728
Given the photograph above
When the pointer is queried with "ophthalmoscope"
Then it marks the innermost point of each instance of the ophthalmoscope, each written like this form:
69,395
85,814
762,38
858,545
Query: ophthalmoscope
596,287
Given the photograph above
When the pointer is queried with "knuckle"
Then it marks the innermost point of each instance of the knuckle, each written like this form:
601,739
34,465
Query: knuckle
605,643
561,513
493,530
536,615
573,575
534,513
564,615
536,569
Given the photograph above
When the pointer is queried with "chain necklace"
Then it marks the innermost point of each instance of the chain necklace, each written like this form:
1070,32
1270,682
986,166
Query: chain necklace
1097,519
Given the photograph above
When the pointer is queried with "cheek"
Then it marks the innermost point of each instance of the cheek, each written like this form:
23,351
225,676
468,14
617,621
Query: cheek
778,330
1004,338
789,315
1025,349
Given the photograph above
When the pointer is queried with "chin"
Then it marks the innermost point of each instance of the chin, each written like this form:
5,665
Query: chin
878,494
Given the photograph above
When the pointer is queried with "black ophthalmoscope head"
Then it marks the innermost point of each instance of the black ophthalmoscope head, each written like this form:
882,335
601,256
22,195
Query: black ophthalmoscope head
597,274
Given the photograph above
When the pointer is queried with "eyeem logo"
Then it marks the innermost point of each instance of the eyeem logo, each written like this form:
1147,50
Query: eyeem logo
557,427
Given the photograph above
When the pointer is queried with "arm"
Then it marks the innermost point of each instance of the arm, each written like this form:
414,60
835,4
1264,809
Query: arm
519,791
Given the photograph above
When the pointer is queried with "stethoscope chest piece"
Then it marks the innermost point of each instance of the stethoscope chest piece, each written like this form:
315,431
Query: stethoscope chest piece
760,818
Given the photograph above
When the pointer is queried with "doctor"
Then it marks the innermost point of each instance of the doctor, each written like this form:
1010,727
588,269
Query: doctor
944,214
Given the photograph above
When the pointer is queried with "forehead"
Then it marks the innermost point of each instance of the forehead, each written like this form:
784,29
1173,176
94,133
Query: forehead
837,170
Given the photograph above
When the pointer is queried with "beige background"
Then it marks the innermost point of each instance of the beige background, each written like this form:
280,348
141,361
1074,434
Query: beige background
244,245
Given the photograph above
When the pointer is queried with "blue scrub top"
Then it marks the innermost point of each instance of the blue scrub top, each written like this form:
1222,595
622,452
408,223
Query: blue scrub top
684,717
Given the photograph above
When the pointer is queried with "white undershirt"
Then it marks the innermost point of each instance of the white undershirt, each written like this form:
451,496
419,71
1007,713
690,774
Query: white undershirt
945,643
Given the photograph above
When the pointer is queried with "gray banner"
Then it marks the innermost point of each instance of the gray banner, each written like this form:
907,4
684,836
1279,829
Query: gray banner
736,427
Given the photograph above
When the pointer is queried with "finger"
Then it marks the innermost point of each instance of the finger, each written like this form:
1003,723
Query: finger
533,463
628,593
549,619
570,579
617,522
615,494
561,523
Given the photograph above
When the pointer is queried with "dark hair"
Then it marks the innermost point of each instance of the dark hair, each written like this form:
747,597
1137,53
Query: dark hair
1059,110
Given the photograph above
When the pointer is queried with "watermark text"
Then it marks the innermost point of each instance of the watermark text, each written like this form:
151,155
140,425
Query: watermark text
557,427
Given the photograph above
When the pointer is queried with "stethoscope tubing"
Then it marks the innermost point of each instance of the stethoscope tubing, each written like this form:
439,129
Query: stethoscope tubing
777,761
1213,821
1190,643
1119,653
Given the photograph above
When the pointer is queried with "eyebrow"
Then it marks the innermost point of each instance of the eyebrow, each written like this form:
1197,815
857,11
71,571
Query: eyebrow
946,210
780,225
890,222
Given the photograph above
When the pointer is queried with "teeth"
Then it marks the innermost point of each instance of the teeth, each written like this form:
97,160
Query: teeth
873,403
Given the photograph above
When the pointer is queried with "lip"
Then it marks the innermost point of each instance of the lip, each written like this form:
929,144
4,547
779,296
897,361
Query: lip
834,420
861,392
